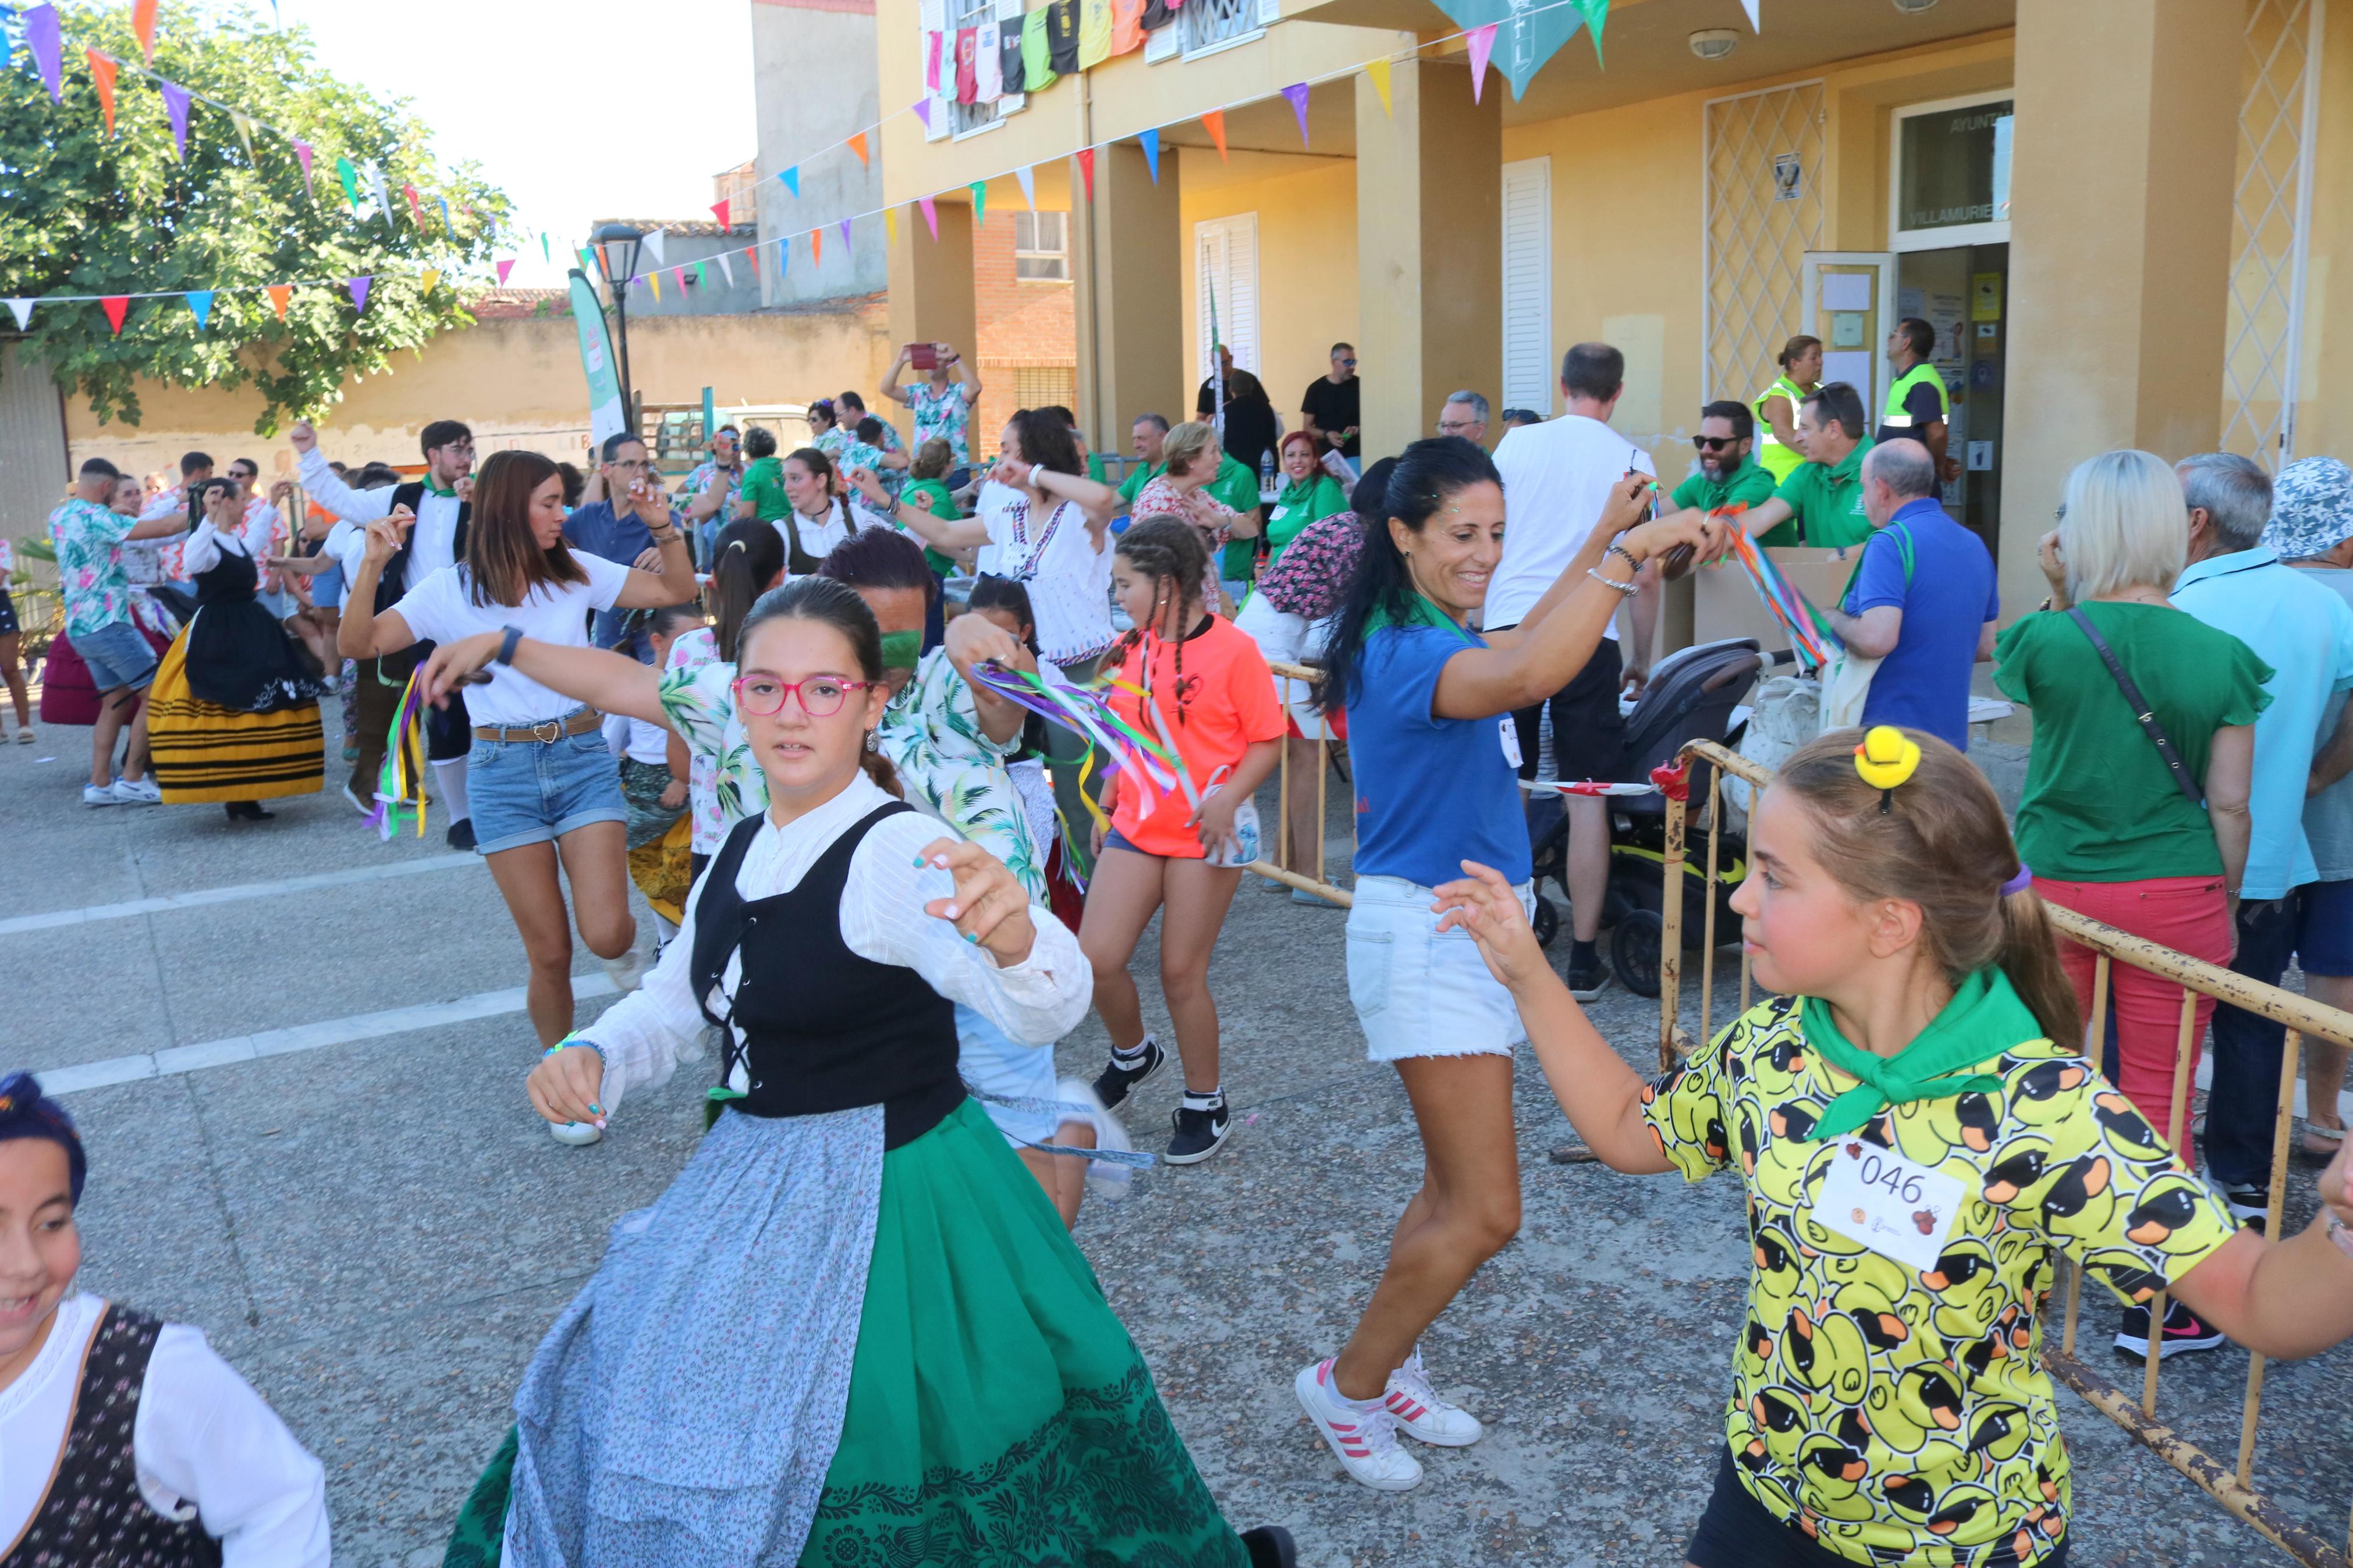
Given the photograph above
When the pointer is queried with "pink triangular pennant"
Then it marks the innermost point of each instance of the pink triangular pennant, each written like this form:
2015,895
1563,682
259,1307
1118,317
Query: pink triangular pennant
1297,93
1482,43
923,112
303,156
506,265
931,216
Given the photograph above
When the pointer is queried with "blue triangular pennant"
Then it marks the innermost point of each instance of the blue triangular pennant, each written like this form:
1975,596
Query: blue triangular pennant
1528,31
792,179
200,303
1151,140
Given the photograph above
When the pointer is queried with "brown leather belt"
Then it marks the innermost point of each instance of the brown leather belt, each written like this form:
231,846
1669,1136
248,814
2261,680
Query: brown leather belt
546,730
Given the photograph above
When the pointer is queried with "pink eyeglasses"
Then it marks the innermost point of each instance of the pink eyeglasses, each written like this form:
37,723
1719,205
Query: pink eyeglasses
821,696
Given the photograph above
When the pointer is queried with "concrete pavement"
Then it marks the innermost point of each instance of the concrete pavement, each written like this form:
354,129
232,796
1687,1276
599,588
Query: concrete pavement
366,1218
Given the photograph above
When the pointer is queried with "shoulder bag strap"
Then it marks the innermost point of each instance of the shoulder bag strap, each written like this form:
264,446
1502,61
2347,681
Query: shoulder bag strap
2149,726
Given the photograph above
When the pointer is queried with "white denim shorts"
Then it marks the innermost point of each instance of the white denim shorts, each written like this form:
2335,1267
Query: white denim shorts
1419,991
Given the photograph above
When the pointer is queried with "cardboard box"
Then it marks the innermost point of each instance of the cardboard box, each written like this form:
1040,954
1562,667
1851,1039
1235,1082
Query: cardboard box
1724,602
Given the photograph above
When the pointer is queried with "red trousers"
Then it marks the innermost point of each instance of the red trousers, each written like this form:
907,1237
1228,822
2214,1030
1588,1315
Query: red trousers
2188,914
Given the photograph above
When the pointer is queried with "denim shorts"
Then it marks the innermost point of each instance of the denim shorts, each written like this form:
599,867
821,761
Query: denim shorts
117,656
1417,991
532,791
2323,927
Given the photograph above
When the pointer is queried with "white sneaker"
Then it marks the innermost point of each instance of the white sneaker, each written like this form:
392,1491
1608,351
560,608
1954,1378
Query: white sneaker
579,1134
629,970
363,808
1362,1436
99,795
1420,1413
141,792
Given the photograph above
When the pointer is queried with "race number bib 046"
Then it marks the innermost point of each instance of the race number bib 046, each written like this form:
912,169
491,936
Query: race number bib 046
1898,1207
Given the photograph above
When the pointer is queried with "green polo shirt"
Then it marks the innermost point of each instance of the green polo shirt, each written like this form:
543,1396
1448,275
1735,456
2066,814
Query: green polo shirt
1827,501
1137,479
1236,486
1751,484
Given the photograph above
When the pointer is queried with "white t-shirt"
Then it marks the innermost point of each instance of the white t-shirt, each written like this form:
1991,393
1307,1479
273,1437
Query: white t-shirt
205,1443
1068,578
441,610
1557,479
637,740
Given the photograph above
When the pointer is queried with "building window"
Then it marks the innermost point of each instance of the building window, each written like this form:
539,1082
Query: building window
1045,386
1225,252
1951,174
980,16
1041,247
1210,25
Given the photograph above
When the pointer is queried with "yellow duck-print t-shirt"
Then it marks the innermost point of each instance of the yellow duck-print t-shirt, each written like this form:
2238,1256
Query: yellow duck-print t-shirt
1902,1416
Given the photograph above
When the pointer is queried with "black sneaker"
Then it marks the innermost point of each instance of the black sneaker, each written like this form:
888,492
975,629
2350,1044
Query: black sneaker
2183,1332
2252,1205
1270,1546
460,835
1114,1081
1588,978
1198,1133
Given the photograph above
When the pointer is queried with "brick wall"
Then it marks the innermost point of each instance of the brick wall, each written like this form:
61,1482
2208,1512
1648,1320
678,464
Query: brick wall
1027,338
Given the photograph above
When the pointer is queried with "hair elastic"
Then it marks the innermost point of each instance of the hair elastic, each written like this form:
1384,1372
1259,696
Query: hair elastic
2020,882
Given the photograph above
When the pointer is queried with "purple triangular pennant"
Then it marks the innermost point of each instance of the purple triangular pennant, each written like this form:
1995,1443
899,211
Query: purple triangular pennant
176,104
1297,93
359,288
845,231
923,107
42,37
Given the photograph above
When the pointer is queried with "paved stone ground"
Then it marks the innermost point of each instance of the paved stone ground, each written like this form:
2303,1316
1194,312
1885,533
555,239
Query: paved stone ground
377,1232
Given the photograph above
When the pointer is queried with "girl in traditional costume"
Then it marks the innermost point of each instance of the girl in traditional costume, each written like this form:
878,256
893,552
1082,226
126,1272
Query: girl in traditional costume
854,1330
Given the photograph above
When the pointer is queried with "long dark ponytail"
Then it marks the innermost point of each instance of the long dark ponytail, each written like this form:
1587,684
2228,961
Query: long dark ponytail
746,558
1425,476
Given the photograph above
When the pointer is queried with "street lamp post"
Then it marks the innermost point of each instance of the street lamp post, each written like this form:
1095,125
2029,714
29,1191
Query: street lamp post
617,252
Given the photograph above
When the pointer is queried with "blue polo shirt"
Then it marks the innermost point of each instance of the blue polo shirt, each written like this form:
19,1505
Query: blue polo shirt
595,529
1947,597
1431,791
2305,632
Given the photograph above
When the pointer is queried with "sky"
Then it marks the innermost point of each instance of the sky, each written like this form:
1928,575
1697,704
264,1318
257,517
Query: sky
575,108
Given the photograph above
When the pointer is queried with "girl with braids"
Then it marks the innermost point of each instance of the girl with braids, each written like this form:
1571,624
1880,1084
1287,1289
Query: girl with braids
698,684
854,1330
1189,680
1919,1136
1429,707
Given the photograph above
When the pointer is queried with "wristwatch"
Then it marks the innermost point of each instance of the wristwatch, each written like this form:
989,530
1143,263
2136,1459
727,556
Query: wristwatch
507,645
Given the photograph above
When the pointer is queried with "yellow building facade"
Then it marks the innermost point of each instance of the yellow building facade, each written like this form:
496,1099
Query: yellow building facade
2120,215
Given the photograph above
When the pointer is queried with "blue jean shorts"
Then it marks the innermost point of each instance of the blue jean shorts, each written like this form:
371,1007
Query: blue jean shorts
117,656
1417,991
533,792
2323,927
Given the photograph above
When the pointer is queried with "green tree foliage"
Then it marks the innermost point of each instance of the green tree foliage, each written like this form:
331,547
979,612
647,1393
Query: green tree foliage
84,212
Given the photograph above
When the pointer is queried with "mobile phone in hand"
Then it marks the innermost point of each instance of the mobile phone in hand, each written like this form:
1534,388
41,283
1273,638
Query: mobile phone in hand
923,356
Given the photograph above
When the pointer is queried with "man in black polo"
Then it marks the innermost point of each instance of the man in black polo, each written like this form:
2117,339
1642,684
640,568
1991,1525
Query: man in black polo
1331,408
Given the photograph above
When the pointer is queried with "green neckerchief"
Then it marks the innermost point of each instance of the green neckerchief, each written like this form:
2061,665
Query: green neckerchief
1984,1019
1299,492
433,490
901,650
1419,613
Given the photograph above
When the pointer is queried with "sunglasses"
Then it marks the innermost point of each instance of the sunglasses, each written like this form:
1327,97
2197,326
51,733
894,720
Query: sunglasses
821,696
1714,443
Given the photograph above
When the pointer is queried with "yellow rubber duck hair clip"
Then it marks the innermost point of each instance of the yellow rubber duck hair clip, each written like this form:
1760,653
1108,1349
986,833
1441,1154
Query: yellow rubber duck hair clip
1886,758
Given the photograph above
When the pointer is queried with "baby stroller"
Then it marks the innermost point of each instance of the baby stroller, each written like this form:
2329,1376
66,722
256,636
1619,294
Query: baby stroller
1691,697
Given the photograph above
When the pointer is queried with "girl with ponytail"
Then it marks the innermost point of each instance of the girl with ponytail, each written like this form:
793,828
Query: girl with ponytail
1918,1133
1190,680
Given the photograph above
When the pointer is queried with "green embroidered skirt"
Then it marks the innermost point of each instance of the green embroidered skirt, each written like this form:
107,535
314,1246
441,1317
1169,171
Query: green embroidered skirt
998,1412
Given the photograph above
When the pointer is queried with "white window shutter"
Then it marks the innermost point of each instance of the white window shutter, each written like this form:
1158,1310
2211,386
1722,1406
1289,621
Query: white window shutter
1527,285
1226,252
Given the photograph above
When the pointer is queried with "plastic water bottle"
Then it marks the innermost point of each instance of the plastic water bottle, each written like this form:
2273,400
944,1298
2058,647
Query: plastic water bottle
1265,473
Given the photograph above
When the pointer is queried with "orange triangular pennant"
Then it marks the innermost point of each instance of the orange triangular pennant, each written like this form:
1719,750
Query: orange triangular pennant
279,294
858,146
143,22
1213,122
101,76
816,247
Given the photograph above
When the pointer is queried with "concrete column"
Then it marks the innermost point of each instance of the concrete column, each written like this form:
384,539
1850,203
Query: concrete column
1129,249
1428,248
2119,249
931,286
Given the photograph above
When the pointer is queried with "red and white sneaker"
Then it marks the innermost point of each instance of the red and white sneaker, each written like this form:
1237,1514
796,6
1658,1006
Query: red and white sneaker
1420,1413
1364,1435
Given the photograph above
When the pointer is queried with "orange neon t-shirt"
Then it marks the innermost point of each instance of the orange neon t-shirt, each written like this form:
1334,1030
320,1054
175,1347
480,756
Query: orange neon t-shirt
1216,704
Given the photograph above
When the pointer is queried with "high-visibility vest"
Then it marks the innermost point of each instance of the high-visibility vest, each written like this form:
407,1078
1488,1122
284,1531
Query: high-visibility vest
1779,458
1893,417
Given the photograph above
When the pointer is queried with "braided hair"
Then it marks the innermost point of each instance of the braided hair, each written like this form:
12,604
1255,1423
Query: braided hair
1168,549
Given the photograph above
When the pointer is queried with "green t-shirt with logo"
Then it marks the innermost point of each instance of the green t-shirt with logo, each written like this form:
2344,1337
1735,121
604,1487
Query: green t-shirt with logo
1236,486
1826,499
1137,478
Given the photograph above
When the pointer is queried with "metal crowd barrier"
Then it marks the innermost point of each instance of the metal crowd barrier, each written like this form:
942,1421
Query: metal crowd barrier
2229,1485
1274,870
